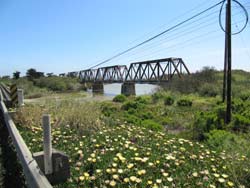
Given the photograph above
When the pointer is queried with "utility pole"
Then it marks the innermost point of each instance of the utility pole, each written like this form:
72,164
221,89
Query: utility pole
229,62
225,65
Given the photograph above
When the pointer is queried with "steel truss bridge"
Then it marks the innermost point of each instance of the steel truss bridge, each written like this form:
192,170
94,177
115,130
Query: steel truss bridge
153,71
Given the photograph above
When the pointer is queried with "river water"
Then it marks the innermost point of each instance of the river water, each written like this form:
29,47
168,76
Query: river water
140,89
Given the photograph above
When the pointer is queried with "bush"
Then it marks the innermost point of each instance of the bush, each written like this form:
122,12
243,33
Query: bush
168,100
58,83
120,98
184,102
152,125
245,96
221,139
204,122
146,115
132,119
133,105
130,104
157,96
208,90
108,108
143,99
240,123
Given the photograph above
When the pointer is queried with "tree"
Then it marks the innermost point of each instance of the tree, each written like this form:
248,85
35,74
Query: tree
50,74
33,74
16,75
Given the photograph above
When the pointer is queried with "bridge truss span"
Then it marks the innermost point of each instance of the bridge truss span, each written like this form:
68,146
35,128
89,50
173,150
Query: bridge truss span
111,74
88,75
154,71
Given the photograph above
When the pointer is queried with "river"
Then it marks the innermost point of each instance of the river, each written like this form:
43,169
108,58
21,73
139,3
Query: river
111,90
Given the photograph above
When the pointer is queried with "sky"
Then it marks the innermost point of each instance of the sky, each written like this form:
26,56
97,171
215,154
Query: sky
71,35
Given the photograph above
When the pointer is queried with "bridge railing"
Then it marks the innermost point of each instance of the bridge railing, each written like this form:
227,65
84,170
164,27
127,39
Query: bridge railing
33,175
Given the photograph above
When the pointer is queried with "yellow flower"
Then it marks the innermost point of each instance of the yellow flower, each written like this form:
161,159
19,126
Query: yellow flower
221,180
151,164
155,186
112,183
195,174
165,174
79,151
158,181
141,172
120,171
230,184
149,182
81,178
224,176
216,175
86,174
115,176
133,178
170,179
130,165
138,180
126,180
98,171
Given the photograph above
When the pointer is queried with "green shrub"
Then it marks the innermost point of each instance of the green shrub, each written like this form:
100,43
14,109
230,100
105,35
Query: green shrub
238,106
168,100
146,115
245,96
132,119
204,122
152,125
208,90
184,102
236,147
240,123
58,83
120,98
139,104
130,104
157,96
221,139
143,99
166,121
108,109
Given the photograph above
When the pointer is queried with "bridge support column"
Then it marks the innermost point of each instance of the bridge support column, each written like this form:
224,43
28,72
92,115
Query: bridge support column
98,87
128,88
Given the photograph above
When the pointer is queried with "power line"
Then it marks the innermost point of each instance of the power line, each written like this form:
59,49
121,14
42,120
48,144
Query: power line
175,36
158,35
202,4
179,35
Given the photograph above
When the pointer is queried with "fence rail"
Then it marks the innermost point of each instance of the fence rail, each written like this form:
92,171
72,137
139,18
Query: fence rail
33,175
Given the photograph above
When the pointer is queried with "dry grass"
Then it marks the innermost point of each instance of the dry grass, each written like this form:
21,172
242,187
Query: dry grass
83,116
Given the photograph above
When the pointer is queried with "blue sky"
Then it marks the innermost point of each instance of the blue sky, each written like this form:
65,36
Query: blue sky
67,35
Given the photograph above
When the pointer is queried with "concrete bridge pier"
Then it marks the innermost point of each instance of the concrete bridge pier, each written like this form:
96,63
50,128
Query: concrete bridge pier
98,87
128,88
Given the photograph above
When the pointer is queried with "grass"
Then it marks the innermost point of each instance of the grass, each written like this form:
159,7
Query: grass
105,151
128,142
